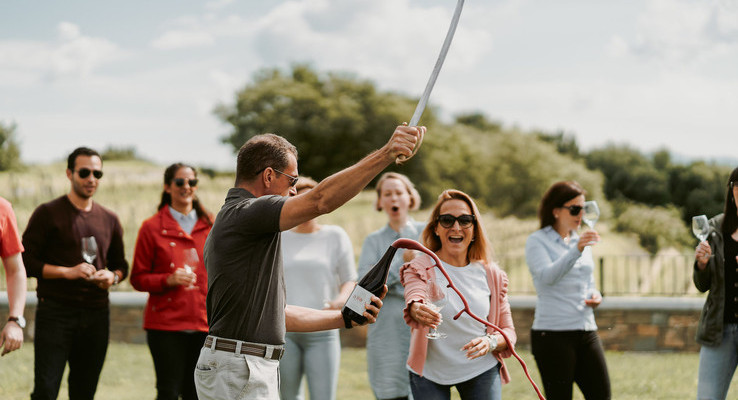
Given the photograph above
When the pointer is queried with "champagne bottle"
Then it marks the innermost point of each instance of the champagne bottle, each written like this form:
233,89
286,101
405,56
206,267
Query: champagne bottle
370,284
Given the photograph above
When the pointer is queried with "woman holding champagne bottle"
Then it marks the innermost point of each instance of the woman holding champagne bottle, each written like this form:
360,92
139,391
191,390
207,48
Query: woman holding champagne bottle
564,338
389,338
716,270
168,264
456,234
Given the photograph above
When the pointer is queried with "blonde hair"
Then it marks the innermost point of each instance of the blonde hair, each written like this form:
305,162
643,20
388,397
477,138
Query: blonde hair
480,248
414,195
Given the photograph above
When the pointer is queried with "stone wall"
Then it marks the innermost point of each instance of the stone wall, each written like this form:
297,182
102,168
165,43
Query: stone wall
625,323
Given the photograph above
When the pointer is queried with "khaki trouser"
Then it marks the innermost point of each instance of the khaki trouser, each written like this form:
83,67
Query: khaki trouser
221,375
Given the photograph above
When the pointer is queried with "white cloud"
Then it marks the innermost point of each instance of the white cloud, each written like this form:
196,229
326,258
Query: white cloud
218,4
681,31
180,38
71,55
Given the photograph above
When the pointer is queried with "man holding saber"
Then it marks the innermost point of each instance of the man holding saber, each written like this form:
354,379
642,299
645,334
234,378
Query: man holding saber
246,306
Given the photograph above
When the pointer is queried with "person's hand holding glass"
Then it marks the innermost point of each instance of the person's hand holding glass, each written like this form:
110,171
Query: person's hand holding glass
703,251
185,276
590,214
437,299
89,254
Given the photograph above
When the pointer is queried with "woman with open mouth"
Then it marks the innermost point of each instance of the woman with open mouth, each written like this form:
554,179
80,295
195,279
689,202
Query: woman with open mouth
389,338
467,354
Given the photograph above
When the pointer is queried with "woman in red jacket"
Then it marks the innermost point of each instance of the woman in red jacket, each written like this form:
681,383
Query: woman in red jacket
175,318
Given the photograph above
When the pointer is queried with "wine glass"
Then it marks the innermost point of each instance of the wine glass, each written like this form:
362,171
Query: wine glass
591,213
89,249
700,227
190,263
436,300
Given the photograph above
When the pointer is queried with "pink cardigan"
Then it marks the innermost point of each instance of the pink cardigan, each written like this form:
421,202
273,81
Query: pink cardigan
415,274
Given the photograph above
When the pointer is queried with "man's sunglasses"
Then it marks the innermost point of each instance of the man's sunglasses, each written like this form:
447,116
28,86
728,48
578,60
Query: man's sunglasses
181,181
574,210
293,179
85,172
448,220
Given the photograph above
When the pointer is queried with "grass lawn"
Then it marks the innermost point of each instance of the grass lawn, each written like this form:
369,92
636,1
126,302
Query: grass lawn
129,374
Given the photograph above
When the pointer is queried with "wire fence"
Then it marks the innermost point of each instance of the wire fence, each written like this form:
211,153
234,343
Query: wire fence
615,275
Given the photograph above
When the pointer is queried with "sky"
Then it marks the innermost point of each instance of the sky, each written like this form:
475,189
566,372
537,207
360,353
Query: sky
651,74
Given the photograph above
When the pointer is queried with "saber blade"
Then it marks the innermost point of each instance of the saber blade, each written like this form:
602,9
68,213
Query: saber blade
437,68
434,75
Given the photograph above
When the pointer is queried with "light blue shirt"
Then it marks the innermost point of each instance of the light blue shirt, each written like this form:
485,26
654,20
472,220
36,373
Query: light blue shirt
186,222
377,243
388,340
564,278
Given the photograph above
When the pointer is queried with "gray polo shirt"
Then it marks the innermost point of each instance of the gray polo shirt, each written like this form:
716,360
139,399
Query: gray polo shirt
246,292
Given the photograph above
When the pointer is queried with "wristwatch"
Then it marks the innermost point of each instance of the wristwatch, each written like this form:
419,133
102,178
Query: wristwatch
115,278
18,320
492,339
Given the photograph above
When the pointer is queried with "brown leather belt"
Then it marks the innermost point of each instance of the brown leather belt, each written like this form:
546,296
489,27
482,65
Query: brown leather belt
253,349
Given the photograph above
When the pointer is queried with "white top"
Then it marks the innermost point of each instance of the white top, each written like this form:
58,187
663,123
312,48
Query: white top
316,265
446,363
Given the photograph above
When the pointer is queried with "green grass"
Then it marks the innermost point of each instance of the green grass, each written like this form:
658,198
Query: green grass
128,374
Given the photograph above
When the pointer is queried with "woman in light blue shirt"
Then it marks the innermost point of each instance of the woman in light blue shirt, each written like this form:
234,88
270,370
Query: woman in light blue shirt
564,336
388,340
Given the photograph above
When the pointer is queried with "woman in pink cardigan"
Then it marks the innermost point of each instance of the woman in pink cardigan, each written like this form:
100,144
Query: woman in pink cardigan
471,356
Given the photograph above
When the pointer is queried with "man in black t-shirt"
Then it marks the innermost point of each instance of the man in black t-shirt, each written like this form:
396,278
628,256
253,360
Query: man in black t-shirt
246,306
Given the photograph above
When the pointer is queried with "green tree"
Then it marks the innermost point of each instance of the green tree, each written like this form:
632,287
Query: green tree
9,148
656,227
565,143
630,175
506,171
333,119
698,188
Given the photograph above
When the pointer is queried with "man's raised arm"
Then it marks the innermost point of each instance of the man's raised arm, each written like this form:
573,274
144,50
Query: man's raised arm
342,186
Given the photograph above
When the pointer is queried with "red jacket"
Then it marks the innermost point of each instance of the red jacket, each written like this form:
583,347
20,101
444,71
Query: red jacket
159,251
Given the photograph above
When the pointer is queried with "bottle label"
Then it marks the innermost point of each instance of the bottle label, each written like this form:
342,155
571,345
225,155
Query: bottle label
358,300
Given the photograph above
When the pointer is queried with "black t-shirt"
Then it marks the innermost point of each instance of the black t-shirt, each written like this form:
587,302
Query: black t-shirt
246,292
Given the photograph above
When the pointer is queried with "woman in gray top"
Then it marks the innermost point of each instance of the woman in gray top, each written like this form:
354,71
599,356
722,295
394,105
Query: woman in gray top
716,270
319,272
389,338
564,337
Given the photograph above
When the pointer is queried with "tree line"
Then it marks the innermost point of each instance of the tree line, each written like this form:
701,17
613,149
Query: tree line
335,118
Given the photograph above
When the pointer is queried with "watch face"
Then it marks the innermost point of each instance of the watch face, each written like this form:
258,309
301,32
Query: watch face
19,320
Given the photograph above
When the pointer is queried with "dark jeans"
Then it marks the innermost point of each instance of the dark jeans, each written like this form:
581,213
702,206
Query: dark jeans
69,334
485,386
566,357
175,355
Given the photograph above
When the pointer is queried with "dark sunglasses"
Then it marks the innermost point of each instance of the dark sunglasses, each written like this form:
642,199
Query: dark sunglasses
448,220
85,172
574,210
181,181
293,179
